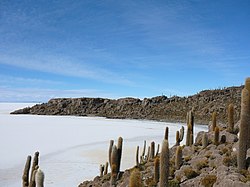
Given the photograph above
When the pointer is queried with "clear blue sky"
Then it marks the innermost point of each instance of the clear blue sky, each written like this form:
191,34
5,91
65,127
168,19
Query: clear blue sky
116,48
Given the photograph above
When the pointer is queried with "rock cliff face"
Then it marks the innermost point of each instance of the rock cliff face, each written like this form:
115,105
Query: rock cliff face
156,108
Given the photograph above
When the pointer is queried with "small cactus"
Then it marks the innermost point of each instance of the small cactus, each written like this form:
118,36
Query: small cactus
114,165
166,134
216,135
244,125
164,164
111,143
158,150
152,150
177,137
26,172
137,156
119,152
214,116
204,140
135,179
230,127
178,157
101,170
39,178
106,168
156,170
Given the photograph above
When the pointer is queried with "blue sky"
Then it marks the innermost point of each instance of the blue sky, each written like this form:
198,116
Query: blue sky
115,48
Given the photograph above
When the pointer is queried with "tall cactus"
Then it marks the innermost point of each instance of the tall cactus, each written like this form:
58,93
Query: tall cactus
39,178
33,169
204,140
111,143
156,170
26,172
247,86
178,157
214,116
177,138
166,133
137,156
189,135
119,152
216,135
244,126
158,150
230,127
152,150
144,148
164,164
114,165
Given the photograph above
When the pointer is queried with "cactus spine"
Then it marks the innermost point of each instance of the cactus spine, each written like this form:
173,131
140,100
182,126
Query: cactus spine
216,135
135,179
164,164
119,152
156,170
214,116
152,152
204,140
178,157
39,178
166,134
230,127
244,126
26,172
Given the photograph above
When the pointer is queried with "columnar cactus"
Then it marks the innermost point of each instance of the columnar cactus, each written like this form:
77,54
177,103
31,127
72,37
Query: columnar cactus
148,155
177,137
114,165
216,135
39,178
135,179
178,157
101,170
164,164
137,156
119,150
181,133
152,150
33,169
144,148
106,168
204,140
26,172
230,127
247,86
214,116
156,170
189,135
166,134
111,143
158,150
244,126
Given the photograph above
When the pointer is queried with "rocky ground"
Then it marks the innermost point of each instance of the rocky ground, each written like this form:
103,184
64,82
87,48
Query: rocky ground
159,108
213,165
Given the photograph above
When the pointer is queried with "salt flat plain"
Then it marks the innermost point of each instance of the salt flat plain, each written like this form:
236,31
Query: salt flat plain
71,148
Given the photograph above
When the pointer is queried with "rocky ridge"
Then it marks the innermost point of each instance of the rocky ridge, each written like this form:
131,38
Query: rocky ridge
160,108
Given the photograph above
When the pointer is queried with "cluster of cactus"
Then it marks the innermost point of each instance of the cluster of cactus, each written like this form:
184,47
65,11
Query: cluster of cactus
115,154
190,129
244,138
36,177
